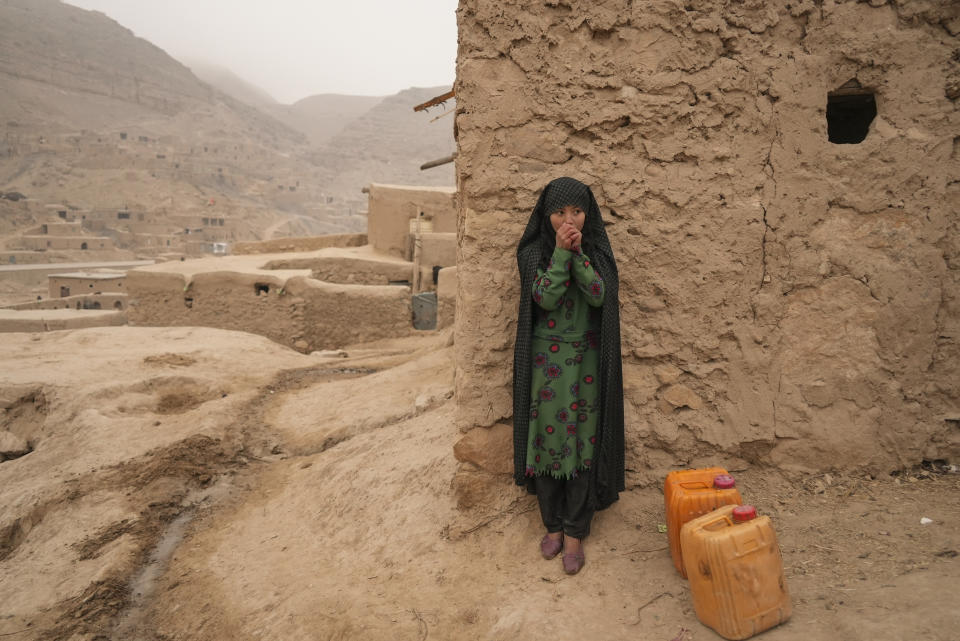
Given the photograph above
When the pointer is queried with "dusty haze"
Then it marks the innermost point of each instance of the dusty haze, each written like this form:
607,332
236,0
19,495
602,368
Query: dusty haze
296,49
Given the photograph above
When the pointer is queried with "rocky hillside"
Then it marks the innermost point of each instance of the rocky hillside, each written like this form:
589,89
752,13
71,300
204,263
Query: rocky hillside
67,69
93,117
228,82
323,116
357,136
392,141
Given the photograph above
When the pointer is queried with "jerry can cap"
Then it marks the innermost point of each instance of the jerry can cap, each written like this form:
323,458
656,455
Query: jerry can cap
743,513
723,482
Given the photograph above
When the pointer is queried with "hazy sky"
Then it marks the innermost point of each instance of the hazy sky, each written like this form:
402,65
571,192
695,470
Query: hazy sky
296,48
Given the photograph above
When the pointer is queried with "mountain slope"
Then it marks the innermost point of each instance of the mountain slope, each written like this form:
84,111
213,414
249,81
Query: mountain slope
322,116
226,81
47,42
96,119
389,143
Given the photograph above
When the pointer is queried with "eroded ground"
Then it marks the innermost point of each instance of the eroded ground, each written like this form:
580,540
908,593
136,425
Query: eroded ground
203,484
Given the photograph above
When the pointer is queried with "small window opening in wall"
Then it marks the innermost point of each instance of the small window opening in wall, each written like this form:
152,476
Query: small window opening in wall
188,301
118,305
850,110
262,289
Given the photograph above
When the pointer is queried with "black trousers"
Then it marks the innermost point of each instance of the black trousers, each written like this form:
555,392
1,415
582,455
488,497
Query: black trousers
563,505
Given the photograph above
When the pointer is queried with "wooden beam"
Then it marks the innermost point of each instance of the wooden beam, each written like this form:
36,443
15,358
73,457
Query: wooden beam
439,161
435,101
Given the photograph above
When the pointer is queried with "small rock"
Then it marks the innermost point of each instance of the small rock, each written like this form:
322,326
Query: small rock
650,304
667,374
12,446
422,402
301,345
925,521
330,353
682,396
488,448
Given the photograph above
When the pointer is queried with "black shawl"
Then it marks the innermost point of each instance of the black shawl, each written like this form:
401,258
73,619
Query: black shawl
535,248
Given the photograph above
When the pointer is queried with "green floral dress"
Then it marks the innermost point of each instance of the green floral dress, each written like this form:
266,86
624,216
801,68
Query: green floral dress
564,385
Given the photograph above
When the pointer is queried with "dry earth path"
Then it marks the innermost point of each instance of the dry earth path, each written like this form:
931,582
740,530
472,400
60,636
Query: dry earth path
317,504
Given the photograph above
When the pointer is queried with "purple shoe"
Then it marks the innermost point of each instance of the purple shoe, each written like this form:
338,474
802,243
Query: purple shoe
549,547
573,563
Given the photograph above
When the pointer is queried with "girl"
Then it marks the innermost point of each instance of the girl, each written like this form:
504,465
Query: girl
567,385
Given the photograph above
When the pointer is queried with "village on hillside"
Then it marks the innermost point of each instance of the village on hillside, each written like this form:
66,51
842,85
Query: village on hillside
258,359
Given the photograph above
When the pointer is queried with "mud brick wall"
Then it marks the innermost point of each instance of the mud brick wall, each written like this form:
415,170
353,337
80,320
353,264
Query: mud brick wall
293,310
785,300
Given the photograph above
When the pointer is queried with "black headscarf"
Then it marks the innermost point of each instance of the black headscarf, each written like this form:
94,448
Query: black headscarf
535,248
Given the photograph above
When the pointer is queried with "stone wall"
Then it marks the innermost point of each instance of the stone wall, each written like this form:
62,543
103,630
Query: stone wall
391,207
438,249
76,284
23,257
81,302
44,242
785,300
57,319
147,242
62,229
350,270
309,243
299,312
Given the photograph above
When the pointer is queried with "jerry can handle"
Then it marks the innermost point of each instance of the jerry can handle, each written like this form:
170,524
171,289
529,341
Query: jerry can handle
719,522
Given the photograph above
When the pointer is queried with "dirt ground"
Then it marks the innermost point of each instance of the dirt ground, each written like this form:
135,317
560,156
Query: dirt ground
208,485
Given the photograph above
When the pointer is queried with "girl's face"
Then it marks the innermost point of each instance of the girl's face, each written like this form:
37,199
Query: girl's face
569,214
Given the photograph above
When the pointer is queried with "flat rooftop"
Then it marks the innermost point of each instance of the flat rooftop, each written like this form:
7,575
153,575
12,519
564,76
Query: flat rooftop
35,267
256,263
55,314
65,237
91,275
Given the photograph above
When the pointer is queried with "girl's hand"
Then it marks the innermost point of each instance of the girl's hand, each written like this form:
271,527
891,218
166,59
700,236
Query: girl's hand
568,236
